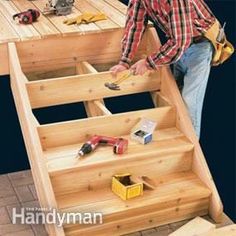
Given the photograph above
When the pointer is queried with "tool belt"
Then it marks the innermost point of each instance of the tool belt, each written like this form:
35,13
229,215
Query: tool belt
199,39
223,49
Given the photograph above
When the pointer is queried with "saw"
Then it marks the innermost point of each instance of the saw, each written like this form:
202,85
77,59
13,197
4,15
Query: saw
59,7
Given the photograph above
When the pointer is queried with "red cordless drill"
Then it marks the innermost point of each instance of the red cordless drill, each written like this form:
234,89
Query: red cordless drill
27,17
120,145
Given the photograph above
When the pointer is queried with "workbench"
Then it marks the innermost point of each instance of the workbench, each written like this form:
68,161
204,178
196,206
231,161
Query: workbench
49,29
53,64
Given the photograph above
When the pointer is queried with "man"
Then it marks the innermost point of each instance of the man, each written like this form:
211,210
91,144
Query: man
184,22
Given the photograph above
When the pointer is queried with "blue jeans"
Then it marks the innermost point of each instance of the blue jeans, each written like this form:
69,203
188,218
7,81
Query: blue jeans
191,73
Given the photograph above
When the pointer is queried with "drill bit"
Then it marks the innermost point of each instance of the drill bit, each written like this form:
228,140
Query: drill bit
79,155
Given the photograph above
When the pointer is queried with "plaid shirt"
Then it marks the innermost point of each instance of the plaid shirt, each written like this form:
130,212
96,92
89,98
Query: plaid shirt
180,20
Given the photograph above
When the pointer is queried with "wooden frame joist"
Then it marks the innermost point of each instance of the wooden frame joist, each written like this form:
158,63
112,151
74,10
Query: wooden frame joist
93,108
101,107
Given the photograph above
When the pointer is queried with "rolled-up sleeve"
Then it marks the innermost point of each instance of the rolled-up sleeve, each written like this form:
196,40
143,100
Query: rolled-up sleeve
136,22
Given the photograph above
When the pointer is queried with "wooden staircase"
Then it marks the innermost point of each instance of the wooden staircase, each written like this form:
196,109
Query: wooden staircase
174,158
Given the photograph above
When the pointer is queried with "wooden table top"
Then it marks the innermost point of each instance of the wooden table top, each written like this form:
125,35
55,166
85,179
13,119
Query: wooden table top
52,25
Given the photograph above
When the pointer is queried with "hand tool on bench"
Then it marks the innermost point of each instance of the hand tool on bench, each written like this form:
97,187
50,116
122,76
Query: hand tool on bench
120,145
115,85
27,17
59,7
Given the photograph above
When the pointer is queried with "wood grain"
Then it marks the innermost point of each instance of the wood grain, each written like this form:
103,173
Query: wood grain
228,230
42,25
25,32
31,137
86,88
194,227
91,108
72,132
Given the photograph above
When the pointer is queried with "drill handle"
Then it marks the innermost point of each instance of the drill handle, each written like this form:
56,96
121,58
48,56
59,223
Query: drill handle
107,140
16,16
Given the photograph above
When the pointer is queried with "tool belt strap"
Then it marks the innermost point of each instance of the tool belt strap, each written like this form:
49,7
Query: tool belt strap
223,50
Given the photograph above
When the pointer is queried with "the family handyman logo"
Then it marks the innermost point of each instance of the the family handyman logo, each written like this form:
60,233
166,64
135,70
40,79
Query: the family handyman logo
52,216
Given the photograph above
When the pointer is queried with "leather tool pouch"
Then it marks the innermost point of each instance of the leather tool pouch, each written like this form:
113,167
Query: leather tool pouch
223,49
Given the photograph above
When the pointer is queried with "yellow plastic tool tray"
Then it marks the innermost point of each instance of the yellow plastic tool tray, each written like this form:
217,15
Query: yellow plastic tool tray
124,188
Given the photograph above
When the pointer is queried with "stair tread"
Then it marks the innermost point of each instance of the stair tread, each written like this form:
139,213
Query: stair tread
165,141
172,191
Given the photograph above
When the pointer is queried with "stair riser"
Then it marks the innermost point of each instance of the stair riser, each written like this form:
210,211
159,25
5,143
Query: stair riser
128,225
68,133
148,209
80,88
99,176
75,50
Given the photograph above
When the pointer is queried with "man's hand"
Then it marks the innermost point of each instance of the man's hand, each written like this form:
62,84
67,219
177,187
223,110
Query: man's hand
140,67
116,69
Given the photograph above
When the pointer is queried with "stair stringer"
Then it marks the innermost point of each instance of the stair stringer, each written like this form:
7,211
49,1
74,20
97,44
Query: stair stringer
170,90
31,138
